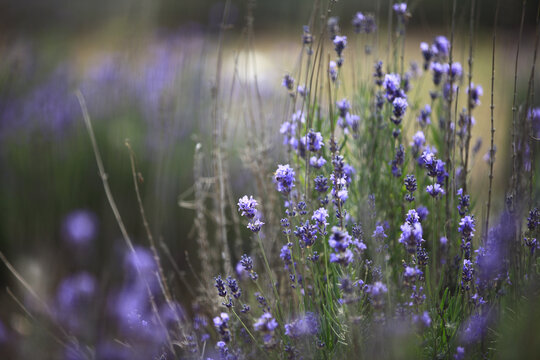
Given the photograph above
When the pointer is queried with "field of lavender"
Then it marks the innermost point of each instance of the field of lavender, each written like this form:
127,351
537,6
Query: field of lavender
362,187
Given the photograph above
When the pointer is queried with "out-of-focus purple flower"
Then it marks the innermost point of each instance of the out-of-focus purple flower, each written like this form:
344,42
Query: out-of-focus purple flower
424,117
418,142
442,45
304,326
288,82
333,27
400,8
475,328
398,160
284,178
266,324
340,42
314,141
285,255
141,266
455,71
534,118
411,236
435,190
474,92
320,215
307,38
391,85
379,74
378,233
376,292
400,106
358,21
438,71
423,320
333,70
427,53
460,353
339,241
302,91
247,206
80,227
221,324
422,212
343,106
74,295
364,23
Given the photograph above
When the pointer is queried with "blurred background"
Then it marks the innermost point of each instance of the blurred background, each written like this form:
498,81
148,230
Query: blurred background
146,70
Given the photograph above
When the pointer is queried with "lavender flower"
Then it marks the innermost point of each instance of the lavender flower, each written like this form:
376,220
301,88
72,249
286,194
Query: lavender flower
460,353
364,23
266,324
533,220
398,160
418,142
339,241
343,106
233,286
422,212
466,274
400,106
333,70
220,286
285,255
314,141
466,227
427,53
435,190
221,323
307,38
463,202
320,215
317,162
288,82
307,325
438,71
340,42
410,185
255,225
321,184
379,74
284,178
391,85
423,320
358,22
307,234
442,45
411,236
424,117
377,292
455,71
247,206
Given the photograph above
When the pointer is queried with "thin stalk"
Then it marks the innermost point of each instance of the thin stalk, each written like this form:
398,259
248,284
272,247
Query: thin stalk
492,107
469,107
